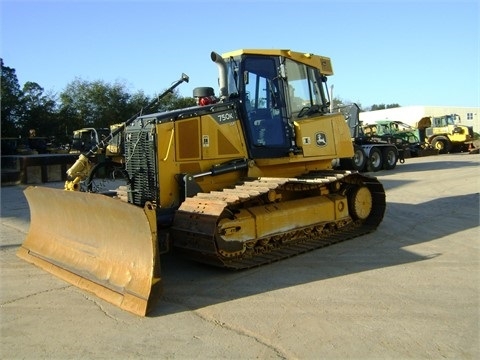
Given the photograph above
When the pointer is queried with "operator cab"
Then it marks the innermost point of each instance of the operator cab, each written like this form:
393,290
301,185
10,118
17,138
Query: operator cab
446,120
274,91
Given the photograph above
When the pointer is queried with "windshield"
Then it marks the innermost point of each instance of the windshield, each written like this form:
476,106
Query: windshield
451,120
307,95
403,127
443,121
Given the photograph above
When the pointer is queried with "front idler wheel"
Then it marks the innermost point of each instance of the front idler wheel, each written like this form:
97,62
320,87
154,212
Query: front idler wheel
360,202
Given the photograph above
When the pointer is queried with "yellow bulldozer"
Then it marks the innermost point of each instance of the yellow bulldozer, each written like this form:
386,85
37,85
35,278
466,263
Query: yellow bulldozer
242,179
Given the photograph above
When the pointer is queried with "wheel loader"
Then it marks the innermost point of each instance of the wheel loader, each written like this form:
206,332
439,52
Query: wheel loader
242,179
445,133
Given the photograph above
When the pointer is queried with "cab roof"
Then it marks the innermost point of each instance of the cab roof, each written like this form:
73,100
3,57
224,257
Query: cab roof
323,63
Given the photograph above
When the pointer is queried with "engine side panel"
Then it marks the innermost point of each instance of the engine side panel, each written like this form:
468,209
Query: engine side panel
325,136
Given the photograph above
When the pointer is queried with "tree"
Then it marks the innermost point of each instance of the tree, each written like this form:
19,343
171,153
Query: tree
39,111
338,103
98,104
383,106
179,102
81,104
172,101
137,102
11,100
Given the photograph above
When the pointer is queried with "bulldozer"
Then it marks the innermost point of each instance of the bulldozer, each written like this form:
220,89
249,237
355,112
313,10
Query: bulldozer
242,179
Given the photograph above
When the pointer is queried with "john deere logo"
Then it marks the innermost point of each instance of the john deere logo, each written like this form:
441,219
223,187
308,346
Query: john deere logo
321,139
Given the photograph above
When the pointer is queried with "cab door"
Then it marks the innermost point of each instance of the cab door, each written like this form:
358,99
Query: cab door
266,124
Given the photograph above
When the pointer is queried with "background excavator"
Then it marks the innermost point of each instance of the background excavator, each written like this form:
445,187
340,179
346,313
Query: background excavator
238,181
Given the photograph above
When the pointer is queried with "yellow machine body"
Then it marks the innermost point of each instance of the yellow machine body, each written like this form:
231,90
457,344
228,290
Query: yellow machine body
446,133
239,182
198,144
117,260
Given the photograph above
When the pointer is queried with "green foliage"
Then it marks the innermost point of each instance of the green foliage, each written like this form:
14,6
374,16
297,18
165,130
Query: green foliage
173,101
11,95
383,106
39,110
338,103
95,104
81,104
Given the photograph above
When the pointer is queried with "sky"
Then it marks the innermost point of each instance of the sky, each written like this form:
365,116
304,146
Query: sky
421,52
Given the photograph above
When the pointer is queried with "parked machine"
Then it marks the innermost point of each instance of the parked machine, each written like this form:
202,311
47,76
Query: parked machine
241,180
404,136
370,153
105,148
84,139
445,134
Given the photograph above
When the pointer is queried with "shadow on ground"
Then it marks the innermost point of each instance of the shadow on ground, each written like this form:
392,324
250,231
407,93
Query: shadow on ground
189,286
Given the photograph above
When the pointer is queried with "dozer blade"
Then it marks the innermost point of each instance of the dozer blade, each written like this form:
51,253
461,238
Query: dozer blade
97,243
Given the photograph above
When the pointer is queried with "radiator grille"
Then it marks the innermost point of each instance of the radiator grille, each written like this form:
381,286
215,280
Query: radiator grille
141,163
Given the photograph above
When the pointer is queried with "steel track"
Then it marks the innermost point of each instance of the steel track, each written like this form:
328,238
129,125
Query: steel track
195,222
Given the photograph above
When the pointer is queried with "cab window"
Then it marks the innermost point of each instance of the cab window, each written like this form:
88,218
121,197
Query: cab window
262,102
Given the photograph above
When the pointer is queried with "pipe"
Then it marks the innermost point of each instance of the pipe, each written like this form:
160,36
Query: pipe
222,74
331,98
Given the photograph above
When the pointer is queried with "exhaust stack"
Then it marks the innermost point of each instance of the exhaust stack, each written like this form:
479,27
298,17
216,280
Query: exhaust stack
222,74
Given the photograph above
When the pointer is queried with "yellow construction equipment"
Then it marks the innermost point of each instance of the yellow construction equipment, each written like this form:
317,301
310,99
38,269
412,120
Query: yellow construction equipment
445,133
243,179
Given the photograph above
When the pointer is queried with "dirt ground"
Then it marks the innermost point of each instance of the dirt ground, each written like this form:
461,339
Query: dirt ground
410,290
